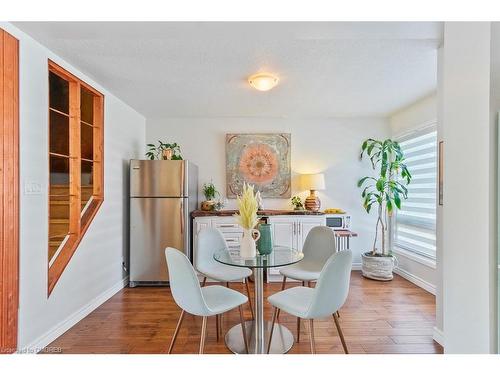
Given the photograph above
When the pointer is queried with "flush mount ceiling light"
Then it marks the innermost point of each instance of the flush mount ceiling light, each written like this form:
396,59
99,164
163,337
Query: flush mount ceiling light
263,81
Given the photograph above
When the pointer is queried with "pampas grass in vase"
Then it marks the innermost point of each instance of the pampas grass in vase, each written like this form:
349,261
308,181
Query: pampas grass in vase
247,219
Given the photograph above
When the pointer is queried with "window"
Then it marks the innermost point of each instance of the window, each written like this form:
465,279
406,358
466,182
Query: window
75,164
415,224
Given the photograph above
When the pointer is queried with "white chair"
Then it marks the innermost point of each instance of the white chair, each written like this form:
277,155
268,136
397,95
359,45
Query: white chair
318,247
209,241
193,299
324,300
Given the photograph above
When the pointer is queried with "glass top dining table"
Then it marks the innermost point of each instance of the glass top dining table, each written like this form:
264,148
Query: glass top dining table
279,257
258,329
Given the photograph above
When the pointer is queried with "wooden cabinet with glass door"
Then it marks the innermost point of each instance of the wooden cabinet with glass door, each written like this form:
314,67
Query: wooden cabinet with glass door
75,164
59,160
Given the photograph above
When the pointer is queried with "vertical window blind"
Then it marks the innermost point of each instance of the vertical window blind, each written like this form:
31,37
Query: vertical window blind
415,223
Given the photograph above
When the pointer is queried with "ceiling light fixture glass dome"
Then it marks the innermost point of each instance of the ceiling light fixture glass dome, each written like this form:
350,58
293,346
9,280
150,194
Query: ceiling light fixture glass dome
263,81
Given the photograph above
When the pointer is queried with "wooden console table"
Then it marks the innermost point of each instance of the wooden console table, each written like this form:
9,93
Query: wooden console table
343,237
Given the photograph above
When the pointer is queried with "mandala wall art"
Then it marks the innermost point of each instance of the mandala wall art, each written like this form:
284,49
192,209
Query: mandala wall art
262,160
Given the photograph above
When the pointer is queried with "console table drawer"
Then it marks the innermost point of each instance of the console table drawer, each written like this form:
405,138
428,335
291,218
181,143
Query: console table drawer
227,227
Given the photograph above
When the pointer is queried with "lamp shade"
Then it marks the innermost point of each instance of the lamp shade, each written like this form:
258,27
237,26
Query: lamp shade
314,181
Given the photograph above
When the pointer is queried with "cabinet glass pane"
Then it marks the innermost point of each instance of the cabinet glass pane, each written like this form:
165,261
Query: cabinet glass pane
59,174
59,133
87,106
59,93
58,202
87,181
58,223
87,141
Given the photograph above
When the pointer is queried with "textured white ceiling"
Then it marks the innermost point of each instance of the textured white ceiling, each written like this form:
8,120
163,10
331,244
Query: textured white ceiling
195,69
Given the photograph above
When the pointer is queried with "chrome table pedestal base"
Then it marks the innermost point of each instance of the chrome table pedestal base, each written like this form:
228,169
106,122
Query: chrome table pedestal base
281,343
258,330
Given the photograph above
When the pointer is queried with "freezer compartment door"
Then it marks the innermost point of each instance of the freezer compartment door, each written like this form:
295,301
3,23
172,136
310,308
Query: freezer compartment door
158,178
155,223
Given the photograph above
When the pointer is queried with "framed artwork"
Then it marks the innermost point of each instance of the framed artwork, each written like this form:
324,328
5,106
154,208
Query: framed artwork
440,172
262,160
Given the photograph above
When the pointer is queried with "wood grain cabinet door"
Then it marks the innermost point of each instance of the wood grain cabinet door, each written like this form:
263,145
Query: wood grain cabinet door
9,191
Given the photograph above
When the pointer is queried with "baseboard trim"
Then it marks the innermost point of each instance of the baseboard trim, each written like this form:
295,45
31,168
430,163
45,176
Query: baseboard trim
356,267
41,342
416,280
438,336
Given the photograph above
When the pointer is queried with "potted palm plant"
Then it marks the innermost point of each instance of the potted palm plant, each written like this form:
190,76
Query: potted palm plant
385,191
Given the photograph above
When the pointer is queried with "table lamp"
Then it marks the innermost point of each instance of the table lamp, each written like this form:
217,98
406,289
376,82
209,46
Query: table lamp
313,182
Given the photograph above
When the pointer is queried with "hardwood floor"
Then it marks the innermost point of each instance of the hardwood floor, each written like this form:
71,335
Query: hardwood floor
378,317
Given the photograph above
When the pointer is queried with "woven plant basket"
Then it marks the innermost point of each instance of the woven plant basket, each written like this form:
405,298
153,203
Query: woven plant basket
377,267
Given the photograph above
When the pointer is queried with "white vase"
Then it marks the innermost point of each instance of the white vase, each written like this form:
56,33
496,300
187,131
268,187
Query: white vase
247,243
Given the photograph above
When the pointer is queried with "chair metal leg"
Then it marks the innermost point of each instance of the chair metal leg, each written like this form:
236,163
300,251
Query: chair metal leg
283,284
217,326
275,315
311,336
204,281
221,323
177,328
298,329
203,334
249,297
243,328
342,339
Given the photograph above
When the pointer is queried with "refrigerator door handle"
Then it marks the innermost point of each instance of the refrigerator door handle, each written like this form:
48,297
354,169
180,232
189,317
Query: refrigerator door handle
182,217
185,232
183,178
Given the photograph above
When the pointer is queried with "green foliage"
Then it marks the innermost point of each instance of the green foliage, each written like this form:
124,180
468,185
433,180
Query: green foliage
297,203
209,191
388,187
155,152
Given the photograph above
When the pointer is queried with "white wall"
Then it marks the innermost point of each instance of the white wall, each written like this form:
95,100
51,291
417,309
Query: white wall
467,282
318,145
417,269
438,329
95,271
494,120
415,115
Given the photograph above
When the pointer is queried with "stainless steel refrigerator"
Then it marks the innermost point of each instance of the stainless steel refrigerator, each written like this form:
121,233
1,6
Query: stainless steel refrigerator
163,193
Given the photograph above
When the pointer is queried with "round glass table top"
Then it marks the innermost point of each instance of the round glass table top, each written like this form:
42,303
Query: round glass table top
280,256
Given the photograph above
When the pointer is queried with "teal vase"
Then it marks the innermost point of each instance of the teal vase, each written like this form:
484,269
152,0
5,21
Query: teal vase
265,242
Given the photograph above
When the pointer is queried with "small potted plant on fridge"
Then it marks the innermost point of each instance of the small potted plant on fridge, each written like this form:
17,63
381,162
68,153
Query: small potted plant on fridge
385,192
164,151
